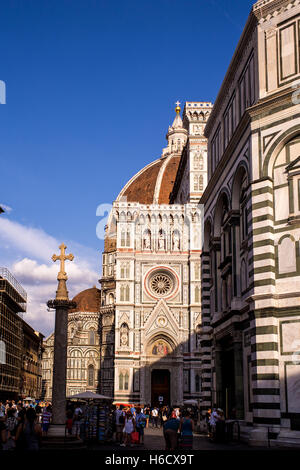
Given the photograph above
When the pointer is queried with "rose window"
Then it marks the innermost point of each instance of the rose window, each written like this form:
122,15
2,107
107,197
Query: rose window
161,284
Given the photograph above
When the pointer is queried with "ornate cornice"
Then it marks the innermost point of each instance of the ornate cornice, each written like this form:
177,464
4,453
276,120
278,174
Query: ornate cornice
264,10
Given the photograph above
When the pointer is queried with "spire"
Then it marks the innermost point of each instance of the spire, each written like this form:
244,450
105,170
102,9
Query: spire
177,123
176,136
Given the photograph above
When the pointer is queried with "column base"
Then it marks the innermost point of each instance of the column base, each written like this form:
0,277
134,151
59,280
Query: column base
57,430
258,437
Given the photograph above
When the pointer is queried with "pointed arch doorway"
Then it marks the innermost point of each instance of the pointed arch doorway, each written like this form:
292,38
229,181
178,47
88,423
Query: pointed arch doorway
160,387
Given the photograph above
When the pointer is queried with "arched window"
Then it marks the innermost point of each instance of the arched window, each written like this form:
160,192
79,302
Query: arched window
123,238
127,292
121,382
128,237
197,271
122,293
201,183
197,294
92,337
91,376
126,381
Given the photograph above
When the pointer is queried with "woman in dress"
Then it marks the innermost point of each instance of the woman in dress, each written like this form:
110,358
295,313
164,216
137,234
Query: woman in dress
129,427
186,429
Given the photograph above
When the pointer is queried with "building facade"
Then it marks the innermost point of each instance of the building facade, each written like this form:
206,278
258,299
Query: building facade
83,351
151,302
31,365
12,305
250,328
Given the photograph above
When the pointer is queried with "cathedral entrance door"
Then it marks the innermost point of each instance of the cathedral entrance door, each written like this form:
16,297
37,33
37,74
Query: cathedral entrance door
160,387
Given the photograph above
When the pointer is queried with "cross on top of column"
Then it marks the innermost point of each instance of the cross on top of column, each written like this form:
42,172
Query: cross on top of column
62,293
62,257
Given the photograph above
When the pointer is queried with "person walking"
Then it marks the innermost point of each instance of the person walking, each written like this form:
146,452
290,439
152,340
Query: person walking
186,429
77,420
147,415
11,429
140,422
46,419
120,421
129,427
30,431
154,414
170,430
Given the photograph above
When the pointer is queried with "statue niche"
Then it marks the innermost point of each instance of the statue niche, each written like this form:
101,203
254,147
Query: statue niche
124,335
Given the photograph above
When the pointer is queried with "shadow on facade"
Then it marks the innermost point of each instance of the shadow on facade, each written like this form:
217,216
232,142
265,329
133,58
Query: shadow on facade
166,373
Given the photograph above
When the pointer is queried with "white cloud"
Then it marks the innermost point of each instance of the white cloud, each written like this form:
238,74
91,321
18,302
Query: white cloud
28,257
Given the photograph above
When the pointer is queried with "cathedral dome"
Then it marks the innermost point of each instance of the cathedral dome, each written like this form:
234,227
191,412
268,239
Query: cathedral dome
154,183
88,300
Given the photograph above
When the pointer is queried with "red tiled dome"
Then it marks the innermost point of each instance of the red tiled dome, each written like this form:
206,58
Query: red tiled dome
155,179
88,300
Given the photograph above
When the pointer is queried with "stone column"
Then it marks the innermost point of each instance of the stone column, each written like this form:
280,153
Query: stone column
61,304
60,359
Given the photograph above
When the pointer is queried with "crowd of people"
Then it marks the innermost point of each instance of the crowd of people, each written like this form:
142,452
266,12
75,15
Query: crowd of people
177,425
23,424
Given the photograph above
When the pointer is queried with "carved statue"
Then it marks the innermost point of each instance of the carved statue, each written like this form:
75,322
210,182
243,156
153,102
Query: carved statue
147,241
124,335
161,241
176,241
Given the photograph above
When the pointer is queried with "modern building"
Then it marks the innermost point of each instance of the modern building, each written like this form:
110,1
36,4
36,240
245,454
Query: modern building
151,302
83,351
250,327
12,305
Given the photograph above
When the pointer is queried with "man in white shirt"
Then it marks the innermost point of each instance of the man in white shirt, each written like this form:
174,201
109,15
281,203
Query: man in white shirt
154,415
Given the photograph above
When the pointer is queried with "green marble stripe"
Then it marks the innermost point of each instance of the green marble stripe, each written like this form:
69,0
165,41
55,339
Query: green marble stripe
262,218
260,205
268,346
265,362
261,230
264,330
267,242
261,257
262,269
262,282
265,377
263,190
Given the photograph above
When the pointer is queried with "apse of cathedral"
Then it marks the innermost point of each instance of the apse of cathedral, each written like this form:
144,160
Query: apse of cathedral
151,285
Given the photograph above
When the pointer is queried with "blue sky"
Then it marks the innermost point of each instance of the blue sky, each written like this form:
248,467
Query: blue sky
91,87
